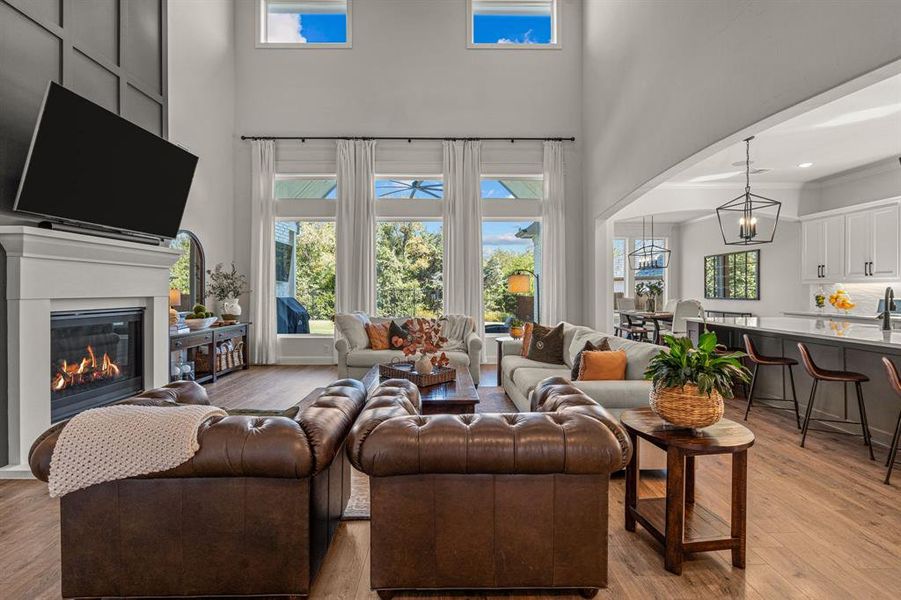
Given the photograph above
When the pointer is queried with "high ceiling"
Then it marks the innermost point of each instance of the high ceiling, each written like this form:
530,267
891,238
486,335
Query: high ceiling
852,131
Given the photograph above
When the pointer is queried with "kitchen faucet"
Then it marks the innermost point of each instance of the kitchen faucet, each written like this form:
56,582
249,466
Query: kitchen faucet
887,308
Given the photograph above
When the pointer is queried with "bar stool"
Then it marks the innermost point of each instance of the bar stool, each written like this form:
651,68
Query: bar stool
760,360
895,380
819,375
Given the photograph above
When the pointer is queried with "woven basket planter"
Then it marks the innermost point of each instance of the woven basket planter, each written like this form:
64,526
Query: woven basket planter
686,406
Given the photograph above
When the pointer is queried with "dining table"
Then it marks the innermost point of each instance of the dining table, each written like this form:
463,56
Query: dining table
656,317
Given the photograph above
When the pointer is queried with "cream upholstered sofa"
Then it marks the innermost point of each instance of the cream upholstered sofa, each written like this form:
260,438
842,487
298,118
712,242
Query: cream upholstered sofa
356,357
521,375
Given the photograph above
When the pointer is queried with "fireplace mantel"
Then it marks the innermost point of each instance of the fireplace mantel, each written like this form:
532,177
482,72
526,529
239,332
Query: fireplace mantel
47,271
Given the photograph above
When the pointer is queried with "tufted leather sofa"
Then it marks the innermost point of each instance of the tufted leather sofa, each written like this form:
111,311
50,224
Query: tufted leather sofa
488,501
251,514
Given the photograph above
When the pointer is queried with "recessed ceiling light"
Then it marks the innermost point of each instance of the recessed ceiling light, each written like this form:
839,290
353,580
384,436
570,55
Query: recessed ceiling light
805,165
715,177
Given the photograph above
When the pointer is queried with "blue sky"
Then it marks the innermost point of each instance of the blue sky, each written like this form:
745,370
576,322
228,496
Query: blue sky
511,29
496,234
309,28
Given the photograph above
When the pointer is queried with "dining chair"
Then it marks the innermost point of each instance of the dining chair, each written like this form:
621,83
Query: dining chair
670,305
685,309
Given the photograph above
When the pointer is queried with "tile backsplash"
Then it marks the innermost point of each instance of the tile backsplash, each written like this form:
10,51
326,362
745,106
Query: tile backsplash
865,295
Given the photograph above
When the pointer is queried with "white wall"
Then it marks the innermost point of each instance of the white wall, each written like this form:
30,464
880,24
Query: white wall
202,116
868,184
410,73
780,268
665,80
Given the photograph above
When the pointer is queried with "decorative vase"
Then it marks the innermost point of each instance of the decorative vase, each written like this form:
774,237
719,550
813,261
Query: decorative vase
686,406
651,304
230,309
516,332
423,364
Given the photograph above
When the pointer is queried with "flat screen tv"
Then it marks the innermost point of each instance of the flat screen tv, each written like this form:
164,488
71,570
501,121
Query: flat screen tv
87,165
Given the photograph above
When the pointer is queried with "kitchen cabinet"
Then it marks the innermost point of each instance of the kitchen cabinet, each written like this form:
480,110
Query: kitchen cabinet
871,241
823,249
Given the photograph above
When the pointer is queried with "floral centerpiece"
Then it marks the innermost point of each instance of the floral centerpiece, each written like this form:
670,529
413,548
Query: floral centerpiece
651,290
226,287
689,383
424,344
841,300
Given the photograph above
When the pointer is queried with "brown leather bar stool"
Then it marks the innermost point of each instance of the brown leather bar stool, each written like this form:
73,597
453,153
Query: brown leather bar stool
760,360
895,380
819,375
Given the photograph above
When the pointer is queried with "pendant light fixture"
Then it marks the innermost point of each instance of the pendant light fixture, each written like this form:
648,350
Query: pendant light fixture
649,255
749,219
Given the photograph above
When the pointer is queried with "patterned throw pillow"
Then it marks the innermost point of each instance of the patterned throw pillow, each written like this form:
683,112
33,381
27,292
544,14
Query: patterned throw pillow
604,345
398,336
526,338
378,336
546,344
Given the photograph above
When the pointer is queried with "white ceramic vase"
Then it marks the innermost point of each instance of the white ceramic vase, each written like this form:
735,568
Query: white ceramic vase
423,364
230,308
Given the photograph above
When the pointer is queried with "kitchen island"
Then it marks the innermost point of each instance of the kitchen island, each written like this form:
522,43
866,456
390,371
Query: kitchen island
834,344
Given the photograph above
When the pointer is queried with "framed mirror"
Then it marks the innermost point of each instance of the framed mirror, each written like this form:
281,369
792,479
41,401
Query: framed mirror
732,276
188,274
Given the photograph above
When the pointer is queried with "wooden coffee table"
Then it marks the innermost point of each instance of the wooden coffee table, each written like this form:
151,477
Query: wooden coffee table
675,520
459,397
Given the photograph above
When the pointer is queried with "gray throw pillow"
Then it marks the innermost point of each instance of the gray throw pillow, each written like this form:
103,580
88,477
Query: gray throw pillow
546,344
603,346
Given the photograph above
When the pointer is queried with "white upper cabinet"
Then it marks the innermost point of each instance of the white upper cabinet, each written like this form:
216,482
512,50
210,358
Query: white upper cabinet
822,249
853,246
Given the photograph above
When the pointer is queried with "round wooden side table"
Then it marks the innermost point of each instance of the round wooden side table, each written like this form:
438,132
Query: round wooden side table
675,520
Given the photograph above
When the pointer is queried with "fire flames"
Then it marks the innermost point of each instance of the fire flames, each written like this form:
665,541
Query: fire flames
86,370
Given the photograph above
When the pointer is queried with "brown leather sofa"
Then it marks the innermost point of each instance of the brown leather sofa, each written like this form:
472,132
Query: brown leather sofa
488,501
251,514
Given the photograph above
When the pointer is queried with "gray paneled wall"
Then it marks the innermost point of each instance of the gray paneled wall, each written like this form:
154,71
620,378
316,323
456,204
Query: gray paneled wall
113,52
110,51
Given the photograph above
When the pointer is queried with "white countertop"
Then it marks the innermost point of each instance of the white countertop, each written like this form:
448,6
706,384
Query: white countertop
835,316
834,330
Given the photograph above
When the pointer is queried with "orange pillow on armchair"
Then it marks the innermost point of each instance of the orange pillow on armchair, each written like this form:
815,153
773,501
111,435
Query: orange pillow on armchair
603,365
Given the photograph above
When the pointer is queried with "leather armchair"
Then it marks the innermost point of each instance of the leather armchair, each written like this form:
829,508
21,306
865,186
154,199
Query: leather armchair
488,501
252,513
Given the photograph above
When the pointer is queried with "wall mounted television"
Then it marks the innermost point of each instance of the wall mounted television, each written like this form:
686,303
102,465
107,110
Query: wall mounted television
89,166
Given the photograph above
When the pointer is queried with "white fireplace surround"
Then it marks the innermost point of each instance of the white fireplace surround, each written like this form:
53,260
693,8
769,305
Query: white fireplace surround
48,271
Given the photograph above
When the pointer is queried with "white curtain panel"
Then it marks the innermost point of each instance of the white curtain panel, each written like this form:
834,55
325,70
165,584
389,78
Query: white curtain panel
263,345
355,227
552,301
462,233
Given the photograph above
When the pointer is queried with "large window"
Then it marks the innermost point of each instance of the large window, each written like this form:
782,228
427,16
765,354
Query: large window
508,246
513,188
305,277
410,188
619,265
303,24
409,268
513,24
733,276
308,187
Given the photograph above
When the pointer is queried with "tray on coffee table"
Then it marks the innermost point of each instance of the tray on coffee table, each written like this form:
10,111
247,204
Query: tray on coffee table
456,397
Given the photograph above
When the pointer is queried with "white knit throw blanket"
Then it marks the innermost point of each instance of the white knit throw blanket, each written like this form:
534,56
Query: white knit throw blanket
121,441
456,328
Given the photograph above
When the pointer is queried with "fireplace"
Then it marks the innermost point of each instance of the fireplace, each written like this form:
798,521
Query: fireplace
96,357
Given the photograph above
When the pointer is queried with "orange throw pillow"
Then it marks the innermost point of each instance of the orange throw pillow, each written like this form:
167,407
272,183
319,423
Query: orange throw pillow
378,335
603,366
526,338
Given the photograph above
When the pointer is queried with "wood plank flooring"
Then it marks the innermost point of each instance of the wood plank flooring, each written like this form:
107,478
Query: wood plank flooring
820,525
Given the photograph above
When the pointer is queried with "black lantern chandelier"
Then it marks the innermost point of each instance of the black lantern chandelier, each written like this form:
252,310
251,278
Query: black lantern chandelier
649,255
749,219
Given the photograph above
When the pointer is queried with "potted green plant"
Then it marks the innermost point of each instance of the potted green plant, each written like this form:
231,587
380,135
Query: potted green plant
689,383
226,287
516,328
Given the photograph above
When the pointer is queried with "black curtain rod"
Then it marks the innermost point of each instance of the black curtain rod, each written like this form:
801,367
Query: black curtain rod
408,138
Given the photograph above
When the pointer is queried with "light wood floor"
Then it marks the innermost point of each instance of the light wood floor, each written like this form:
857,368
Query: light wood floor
821,523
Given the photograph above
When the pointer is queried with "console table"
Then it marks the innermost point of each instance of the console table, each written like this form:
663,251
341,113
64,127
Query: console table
210,338
675,520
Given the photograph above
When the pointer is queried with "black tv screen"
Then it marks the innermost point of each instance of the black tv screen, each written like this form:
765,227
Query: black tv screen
88,165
